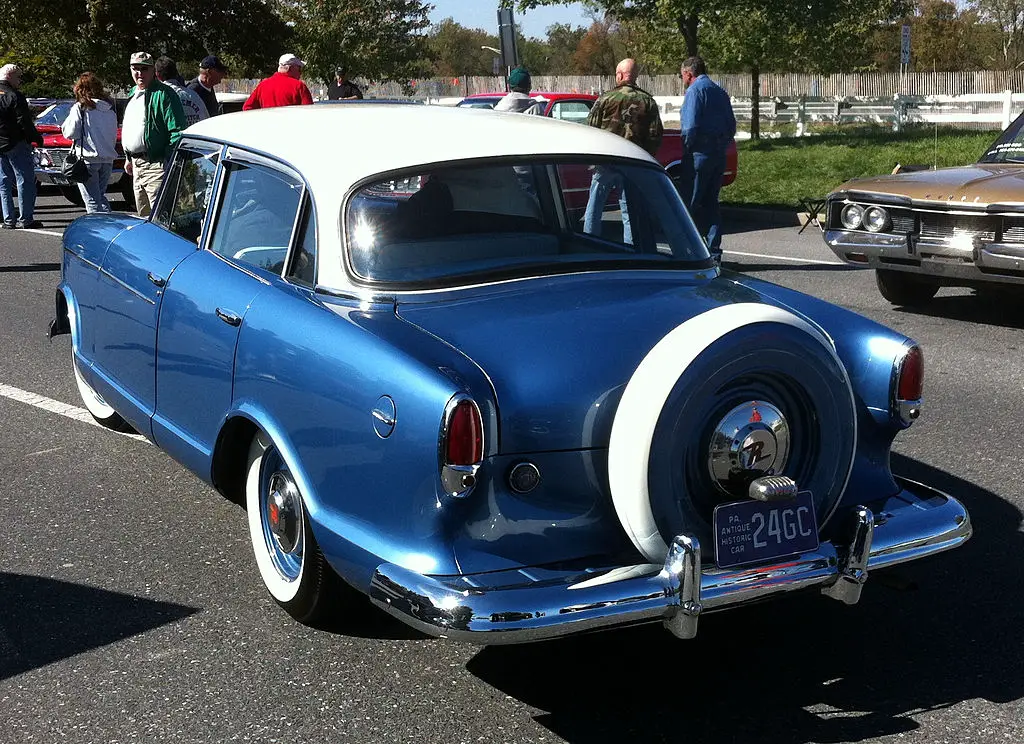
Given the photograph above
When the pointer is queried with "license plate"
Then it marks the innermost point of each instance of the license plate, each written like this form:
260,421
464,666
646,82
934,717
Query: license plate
753,531
60,180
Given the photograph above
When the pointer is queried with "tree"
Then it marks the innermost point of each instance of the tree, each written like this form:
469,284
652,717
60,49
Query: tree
457,50
1008,17
377,39
60,39
598,51
563,41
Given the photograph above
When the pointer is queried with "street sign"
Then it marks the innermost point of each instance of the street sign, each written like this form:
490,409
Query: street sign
507,38
905,45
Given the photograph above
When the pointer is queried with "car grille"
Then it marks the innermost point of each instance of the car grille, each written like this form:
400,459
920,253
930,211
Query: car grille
57,156
949,226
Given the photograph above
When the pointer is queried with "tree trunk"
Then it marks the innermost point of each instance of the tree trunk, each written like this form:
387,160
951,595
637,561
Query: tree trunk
688,28
755,102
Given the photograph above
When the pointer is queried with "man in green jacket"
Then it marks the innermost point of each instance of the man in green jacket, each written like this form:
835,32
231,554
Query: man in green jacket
152,126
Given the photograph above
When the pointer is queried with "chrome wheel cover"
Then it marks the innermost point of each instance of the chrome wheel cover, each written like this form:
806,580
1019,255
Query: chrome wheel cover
750,441
282,517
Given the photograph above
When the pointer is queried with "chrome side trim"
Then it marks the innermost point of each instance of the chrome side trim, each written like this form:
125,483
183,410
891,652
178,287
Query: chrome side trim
80,257
126,286
513,607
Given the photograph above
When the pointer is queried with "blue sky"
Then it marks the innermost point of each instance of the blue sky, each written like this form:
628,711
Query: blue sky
484,14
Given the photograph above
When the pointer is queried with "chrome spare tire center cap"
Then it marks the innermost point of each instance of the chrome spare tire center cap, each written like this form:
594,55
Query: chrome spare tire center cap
751,440
283,511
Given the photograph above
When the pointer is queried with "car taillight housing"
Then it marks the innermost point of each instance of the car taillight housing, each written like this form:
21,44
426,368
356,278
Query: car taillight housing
908,385
461,447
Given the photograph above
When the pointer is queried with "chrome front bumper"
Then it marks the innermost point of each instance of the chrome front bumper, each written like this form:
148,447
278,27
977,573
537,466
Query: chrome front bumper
53,177
520,606
964,261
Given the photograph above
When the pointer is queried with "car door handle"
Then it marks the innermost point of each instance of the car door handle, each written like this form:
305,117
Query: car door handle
157,280
229,317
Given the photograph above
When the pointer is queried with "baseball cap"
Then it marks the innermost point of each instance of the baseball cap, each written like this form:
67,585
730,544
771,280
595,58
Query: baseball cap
519,78
142,58
288,60
212,62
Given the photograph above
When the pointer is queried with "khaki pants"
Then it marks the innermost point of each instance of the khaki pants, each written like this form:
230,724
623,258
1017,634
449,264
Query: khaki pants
146,180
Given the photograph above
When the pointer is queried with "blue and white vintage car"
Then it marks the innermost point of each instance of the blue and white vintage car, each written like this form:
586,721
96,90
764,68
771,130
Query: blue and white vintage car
426,369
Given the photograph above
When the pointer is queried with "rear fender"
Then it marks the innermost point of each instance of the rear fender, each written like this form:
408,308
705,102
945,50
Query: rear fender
352,547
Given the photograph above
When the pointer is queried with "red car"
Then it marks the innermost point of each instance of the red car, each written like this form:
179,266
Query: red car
576,107
50,157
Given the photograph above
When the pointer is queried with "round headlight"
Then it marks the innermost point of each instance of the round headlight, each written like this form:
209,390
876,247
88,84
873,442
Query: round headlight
853,216
876,219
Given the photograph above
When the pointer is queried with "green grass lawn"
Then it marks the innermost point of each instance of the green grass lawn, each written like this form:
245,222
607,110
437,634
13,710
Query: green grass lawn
778,172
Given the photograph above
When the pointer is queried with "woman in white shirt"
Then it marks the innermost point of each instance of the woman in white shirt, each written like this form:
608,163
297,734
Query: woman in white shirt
92,128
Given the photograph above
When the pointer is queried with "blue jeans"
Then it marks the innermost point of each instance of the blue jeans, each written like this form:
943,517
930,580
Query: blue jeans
17,166
699,186
94,191
601,184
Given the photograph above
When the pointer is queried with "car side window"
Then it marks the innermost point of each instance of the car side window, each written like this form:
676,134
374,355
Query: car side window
576,111
257,215
303,267
187,192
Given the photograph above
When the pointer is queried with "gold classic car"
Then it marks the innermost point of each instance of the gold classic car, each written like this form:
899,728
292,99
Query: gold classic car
925,229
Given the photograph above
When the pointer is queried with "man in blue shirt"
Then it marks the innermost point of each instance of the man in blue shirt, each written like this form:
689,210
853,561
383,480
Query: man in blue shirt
707,124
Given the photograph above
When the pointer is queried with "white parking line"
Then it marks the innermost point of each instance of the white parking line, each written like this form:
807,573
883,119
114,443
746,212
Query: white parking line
784,258
55,406
42,232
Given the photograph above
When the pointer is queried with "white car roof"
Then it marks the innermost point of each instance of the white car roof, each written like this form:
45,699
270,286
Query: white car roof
334,147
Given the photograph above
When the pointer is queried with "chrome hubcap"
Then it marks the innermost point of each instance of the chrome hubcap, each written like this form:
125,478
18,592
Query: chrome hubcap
751,440
283,511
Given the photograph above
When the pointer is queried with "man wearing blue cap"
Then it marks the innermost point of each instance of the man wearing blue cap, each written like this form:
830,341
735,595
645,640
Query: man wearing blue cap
211,72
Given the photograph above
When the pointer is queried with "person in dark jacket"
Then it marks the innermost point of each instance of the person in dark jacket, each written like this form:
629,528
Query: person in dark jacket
343,89
17,135
211,72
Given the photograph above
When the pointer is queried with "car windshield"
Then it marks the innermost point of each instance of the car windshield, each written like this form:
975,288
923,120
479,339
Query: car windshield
460,223
55,114
1009,146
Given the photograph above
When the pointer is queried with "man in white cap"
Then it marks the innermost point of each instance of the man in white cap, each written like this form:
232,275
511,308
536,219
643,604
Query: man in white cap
17,133
283,88
153,120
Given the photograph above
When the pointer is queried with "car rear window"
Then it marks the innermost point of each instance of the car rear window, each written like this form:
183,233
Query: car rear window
462,223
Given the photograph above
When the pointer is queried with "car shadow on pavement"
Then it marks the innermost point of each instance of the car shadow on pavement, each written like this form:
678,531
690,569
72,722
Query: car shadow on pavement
29,268
924,637
745,267
44,620
997,308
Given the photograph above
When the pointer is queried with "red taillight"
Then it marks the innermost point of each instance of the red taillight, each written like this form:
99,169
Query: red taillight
465,445
911,381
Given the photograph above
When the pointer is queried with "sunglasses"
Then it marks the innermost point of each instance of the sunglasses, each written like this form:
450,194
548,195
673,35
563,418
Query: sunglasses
141,68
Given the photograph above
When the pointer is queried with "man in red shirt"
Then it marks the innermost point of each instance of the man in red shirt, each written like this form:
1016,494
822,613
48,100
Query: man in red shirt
283,88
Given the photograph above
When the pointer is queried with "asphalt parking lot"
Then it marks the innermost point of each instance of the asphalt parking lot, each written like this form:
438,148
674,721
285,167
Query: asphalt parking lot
131,611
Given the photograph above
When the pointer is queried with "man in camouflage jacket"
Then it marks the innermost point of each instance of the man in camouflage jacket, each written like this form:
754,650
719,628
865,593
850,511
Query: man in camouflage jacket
630,112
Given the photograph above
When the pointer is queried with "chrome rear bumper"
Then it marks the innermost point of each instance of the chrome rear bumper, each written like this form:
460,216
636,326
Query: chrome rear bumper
534,604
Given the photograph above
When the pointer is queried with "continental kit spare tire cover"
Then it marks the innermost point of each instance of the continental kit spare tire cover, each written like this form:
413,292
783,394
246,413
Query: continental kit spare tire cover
734,393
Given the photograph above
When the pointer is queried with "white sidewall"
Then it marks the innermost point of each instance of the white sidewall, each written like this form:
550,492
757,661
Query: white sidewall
281,590
637,415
